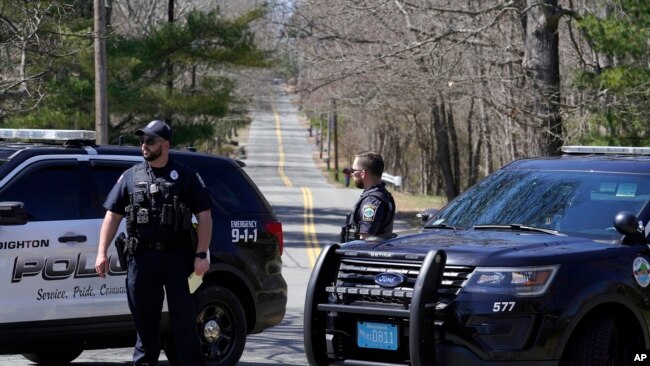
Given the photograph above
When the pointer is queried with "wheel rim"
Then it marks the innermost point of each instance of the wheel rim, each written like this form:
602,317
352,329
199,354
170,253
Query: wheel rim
216,329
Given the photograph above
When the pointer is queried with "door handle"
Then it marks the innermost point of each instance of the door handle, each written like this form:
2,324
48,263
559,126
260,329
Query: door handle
77,238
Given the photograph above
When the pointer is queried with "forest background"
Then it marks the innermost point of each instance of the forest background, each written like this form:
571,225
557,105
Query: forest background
447,91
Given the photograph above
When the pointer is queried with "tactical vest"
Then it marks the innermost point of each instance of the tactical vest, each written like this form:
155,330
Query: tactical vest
157,211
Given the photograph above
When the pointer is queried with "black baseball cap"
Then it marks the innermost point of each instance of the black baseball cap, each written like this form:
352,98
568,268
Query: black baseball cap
156,128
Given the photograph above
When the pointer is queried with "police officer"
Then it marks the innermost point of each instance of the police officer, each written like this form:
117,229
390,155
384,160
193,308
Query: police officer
158,197
374,212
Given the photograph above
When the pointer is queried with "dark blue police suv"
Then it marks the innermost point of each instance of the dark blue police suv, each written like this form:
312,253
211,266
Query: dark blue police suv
544,262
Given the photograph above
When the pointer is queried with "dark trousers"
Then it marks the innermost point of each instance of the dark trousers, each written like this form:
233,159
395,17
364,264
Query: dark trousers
148,272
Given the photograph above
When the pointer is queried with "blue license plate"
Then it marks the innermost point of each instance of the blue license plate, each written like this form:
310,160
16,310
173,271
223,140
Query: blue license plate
377,335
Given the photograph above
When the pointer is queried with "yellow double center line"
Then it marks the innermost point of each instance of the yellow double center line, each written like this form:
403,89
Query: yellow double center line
309,228
278,133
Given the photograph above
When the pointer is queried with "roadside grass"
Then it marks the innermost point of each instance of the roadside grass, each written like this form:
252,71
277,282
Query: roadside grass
409,205
236,145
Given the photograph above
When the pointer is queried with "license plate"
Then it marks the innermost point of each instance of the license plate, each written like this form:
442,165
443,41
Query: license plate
377,335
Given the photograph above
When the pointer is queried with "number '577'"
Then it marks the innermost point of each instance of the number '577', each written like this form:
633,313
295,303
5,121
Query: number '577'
503,306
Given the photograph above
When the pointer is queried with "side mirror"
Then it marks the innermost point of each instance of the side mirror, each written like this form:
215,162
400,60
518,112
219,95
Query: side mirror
13,213
425,215
627,223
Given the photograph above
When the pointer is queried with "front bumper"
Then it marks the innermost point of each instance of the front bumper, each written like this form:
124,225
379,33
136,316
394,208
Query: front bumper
495,340
421,339
446,354
339,313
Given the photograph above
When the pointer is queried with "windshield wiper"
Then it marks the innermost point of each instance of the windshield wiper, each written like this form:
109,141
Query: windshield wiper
441,226
517,227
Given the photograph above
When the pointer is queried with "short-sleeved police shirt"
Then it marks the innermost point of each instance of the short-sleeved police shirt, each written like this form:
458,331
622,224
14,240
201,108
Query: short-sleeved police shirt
198,199
374,211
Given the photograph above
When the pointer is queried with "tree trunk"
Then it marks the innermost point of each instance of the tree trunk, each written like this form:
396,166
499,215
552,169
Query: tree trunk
475,145
101,104
453,148
169,64
541,62
443,156
425,139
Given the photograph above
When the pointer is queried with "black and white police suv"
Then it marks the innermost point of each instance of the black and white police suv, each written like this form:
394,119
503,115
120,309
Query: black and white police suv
544,262
54,306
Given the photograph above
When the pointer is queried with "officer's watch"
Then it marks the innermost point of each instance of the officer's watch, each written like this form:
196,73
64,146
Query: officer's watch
202,255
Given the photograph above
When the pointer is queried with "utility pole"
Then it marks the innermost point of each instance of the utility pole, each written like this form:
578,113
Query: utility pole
169,63
330,124
101,104
336,141
319,137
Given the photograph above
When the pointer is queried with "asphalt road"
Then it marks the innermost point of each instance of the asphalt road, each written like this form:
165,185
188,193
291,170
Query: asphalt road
280,160
311,210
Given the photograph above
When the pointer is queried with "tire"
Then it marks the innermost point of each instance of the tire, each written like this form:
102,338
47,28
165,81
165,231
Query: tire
218,310
61,357
596,343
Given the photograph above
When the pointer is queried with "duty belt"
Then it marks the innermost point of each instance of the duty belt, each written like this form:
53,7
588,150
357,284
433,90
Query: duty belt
162,245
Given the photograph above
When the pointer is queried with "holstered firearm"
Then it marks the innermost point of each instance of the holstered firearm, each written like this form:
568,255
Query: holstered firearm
349,232
120,245
343,236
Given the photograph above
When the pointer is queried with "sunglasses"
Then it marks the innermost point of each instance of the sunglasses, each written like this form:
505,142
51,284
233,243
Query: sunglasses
148,140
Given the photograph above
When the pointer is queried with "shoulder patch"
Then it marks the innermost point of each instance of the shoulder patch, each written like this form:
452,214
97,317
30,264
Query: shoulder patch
369,212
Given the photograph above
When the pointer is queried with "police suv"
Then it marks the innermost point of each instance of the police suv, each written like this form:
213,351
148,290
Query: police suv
544,262
53,304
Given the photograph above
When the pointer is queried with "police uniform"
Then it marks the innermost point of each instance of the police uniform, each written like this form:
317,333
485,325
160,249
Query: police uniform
374,211
158,203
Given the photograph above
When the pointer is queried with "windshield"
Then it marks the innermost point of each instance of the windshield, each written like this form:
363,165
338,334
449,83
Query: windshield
570,202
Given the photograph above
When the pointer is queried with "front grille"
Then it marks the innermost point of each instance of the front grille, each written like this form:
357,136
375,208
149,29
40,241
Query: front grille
355,283
343,293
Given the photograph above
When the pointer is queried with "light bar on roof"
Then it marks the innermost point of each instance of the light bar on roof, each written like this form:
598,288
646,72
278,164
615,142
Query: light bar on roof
620,150
46,135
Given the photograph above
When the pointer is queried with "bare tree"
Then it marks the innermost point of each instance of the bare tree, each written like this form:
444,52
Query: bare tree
27,48
542,65
488,73
101,101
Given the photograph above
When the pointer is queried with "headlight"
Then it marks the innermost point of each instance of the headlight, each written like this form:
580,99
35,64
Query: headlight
519,281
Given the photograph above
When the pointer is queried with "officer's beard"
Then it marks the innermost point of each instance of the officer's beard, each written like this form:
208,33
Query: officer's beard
358,183
153,154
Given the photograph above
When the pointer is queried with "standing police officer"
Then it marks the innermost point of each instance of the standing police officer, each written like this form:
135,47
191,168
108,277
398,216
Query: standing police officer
158,197
374,212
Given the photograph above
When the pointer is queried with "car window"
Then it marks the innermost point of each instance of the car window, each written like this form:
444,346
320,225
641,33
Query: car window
230,190
571,202
104,175
50,191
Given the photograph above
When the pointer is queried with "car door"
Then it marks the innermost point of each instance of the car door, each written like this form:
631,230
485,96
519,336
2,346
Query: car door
111,291
47,265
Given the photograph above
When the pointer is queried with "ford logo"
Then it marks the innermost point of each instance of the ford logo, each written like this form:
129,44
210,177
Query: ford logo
389,279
